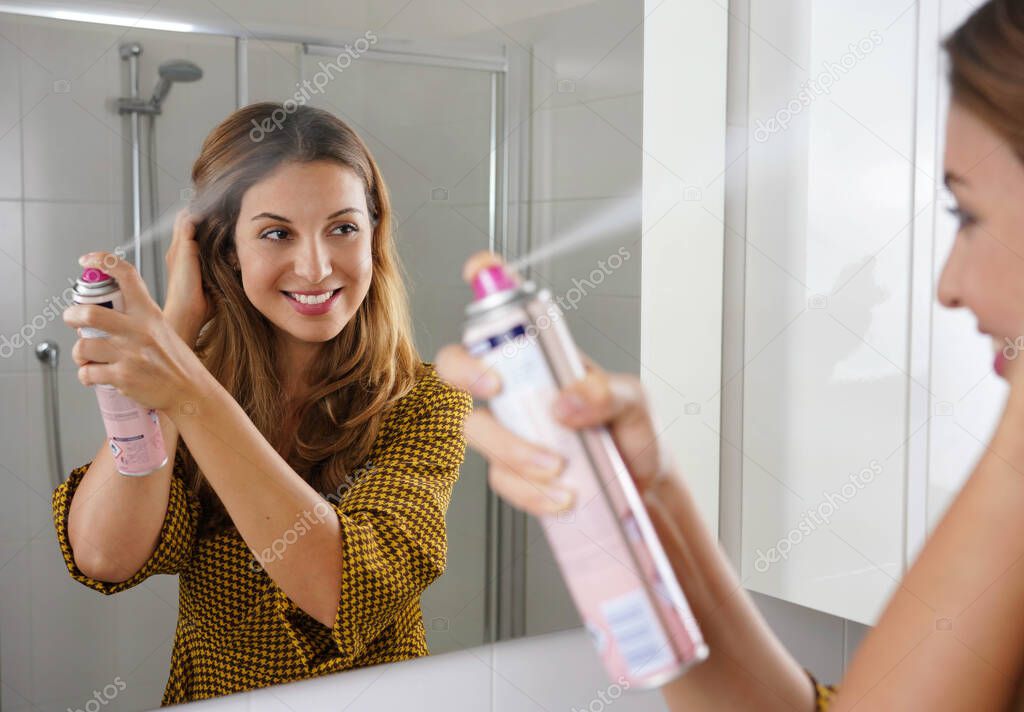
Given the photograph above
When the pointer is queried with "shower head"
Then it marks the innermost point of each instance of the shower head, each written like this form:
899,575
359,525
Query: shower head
175,70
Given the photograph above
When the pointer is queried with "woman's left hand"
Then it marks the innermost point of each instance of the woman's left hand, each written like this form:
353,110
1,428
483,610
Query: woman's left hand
144,358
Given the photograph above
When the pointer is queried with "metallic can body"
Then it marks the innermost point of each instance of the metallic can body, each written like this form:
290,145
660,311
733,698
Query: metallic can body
613,563
133,432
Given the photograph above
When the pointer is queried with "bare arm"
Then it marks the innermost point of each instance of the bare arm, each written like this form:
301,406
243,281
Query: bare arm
958,608
114,522
748,667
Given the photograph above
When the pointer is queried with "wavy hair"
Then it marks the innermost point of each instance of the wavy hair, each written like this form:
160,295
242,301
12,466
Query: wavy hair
987,67
359,374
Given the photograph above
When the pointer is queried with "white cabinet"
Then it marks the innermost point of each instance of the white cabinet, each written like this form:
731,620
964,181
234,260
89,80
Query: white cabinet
864,403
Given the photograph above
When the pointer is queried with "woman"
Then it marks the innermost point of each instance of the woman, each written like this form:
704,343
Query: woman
280,405
952,637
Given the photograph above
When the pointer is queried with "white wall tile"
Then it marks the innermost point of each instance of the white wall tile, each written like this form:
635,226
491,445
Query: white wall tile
608,265
274,72
17,692
146,617
66,669
578,154
10,109
56,234
16,441
608,330
72,136
15,353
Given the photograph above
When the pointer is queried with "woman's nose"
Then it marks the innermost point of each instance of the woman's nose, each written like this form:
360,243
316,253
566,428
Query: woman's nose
950,281
313,261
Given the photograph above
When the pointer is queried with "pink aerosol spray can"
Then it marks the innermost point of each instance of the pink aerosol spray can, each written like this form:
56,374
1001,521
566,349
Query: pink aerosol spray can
133,432
613,563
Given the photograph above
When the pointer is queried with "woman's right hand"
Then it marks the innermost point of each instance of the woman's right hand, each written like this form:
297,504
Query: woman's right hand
186,306
525,474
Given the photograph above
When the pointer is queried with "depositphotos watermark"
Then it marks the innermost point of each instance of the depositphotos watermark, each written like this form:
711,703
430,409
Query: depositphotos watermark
816,516
54,308
102,699
316,85
605,697
818,85
569,301
306,520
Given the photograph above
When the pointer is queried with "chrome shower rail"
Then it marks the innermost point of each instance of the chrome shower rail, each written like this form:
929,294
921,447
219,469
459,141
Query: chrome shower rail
48,353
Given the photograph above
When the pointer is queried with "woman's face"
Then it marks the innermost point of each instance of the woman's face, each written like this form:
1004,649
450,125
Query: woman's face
305,228
985,268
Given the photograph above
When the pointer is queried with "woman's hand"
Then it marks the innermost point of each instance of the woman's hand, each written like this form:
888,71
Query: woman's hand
144,357
525,474
187,307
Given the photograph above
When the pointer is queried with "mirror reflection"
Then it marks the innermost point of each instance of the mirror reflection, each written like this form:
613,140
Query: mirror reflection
551,355
292,199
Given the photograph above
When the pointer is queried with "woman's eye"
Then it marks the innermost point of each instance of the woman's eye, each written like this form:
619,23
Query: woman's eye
267,233
346,228
964,218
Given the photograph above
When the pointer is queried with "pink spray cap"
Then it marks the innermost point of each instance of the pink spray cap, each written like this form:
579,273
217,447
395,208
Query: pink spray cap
91,274
492,280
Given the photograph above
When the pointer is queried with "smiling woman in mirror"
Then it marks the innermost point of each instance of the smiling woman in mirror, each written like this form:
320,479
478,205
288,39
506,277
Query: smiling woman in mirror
311,453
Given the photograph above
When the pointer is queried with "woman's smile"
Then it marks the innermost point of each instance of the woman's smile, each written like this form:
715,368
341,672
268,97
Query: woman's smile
312,303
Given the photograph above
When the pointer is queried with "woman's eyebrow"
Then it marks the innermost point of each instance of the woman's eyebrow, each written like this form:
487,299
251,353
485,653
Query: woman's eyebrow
950,178
272,216
335,214
342,212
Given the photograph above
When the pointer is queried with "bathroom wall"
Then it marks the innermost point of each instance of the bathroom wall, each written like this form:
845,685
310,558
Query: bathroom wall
63,194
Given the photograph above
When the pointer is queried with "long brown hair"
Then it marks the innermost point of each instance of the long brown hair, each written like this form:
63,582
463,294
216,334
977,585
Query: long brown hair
987,67
357,375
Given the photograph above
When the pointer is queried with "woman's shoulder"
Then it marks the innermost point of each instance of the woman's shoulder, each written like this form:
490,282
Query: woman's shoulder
434,396
434,392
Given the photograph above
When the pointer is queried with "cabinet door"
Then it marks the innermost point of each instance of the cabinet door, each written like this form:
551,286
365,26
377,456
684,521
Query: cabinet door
830,206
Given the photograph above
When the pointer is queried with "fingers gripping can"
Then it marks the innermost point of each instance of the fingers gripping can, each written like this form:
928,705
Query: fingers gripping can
613,563
133,431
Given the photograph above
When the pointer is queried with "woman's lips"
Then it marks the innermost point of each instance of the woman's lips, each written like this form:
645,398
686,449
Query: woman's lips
313,309
1000,363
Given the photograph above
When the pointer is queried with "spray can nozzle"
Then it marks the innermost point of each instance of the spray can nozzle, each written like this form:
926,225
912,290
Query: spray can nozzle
491,280
92,275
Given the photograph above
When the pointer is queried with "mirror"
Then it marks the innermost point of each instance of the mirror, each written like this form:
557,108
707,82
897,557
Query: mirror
493,130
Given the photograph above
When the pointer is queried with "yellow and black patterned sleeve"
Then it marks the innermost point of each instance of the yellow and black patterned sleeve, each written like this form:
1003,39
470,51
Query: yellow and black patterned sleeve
823,694
394,543
173,550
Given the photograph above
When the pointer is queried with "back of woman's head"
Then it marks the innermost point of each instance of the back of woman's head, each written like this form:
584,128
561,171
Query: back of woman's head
987,67
359,373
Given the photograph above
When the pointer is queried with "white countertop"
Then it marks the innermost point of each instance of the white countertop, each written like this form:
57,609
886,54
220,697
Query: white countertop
557,671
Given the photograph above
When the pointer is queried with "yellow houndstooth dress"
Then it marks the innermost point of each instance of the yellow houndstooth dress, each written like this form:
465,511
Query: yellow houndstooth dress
238,631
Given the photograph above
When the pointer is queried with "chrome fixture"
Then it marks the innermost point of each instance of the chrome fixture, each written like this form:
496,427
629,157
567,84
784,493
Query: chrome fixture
48,353
170,72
